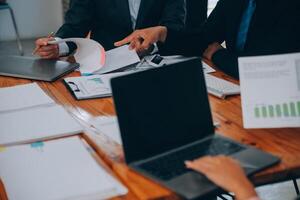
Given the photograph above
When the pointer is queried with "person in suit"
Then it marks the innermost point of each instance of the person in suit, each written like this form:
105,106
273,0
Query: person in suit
248,27
196,14
227,174
110,20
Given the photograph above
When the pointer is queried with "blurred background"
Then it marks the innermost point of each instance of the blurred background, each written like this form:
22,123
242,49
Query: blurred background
36,18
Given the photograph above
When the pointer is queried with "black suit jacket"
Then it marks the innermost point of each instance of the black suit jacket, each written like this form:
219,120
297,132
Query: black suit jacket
196,13
109,20
274,29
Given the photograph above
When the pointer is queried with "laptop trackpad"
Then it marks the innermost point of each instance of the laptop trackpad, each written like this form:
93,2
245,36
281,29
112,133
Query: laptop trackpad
191,185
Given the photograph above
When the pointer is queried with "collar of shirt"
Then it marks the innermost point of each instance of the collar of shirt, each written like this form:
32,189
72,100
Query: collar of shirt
134,7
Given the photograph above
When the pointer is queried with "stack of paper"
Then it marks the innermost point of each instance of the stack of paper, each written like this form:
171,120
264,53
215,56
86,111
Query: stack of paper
27,115
23,96
56,170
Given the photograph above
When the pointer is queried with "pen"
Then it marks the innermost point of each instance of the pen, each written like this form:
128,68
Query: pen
37,48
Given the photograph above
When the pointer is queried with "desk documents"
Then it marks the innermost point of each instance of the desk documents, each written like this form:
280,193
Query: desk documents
90,54
34,119
23,96
55,170
90,87
270,88
118,59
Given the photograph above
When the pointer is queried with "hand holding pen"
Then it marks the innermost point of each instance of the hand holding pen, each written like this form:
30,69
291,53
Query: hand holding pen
46,50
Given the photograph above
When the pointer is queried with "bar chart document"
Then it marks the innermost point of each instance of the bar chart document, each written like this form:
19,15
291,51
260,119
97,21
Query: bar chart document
270,90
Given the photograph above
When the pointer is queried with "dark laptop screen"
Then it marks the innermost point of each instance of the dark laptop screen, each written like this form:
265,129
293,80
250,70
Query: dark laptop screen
162,109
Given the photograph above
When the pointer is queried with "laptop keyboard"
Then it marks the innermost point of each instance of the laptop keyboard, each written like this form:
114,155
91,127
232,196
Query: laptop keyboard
172,165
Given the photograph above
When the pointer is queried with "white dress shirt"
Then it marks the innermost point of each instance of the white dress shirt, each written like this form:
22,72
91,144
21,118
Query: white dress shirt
134,7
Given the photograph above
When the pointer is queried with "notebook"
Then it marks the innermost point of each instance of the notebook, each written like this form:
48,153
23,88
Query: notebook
55,170
23,96
40,123
27,115
90,87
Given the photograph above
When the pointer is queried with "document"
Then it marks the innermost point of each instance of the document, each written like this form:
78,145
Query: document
169,60
36,124
108,126
119,58
23,97
90,87
55,170
89,54
28,114
270,90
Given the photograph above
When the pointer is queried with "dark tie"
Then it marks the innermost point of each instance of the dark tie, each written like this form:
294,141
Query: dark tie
244,26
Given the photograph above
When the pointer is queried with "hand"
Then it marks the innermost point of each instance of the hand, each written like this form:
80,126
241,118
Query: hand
226,173
211,50
46,51
141,40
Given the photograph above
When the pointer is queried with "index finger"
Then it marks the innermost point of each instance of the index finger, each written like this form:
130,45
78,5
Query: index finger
126,40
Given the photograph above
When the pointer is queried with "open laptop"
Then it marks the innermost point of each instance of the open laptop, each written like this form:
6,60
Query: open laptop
34,68
164,117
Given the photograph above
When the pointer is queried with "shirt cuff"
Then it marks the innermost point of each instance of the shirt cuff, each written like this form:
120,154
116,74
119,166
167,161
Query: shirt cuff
155,49
63,47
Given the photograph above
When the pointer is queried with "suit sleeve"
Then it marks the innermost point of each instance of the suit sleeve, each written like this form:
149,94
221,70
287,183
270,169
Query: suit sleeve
194,42
78,21
174,14
227,62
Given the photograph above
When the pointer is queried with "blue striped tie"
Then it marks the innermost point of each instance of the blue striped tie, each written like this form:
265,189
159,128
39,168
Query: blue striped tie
244,26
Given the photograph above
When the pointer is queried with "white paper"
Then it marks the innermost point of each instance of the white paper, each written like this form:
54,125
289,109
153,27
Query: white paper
169,60
89,54
23,97
55,170
119,58
270,89
36,124
108,126
207,69
95,86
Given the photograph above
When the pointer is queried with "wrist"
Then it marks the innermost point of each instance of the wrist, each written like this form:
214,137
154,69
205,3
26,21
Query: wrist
244,191
163,33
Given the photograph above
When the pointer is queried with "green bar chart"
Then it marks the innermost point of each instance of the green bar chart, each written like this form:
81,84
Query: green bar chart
284,110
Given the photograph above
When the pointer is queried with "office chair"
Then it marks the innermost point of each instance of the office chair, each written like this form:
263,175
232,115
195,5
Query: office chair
196,13
6,6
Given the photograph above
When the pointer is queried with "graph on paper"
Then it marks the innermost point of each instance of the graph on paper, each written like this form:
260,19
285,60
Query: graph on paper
283,110
270,91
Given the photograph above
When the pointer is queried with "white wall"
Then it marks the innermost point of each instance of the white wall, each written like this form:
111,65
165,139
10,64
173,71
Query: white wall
34,18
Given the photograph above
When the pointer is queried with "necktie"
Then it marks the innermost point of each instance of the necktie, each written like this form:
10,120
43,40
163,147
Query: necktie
244,26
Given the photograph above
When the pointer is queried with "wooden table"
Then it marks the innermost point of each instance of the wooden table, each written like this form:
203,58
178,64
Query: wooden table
284,143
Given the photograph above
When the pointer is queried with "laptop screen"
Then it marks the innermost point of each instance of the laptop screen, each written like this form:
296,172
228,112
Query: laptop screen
162,109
